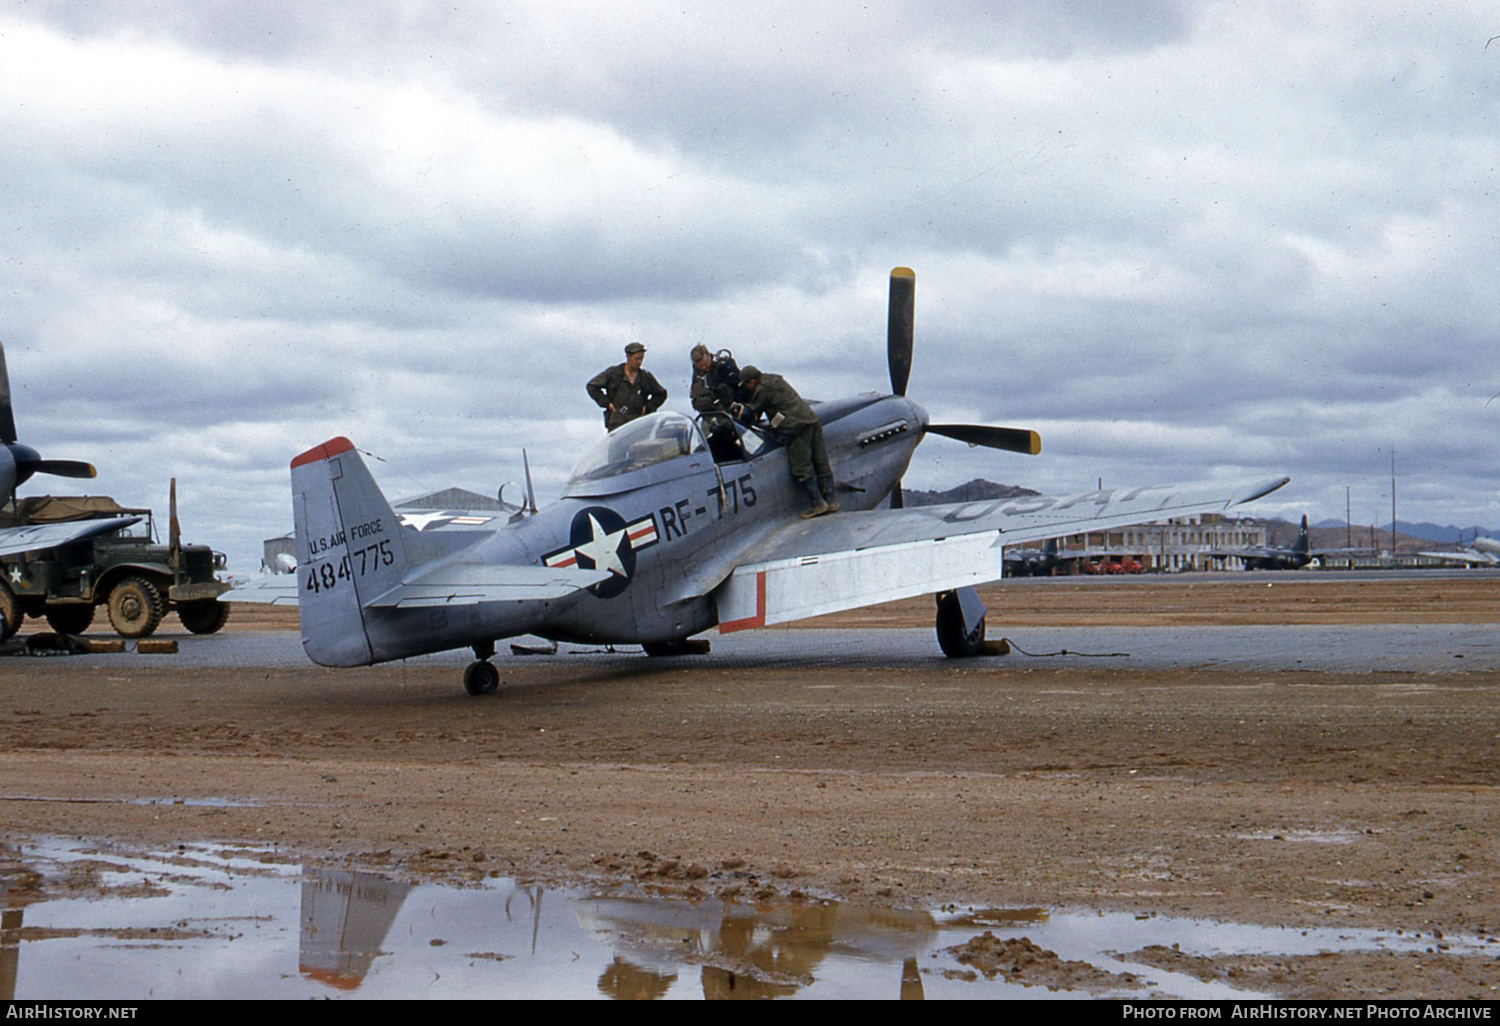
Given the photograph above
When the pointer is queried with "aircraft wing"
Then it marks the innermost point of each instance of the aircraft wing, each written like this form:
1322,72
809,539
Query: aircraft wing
850,560
1249,553
452,584
1468,557
48,536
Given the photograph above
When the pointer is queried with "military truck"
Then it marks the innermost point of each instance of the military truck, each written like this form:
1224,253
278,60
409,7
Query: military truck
138,579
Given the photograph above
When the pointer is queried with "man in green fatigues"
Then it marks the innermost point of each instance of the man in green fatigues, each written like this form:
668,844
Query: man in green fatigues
705,397
627,390
788,412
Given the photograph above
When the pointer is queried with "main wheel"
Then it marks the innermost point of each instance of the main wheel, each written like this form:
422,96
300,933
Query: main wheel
135,607
481,678
954,638
70,619
10,612
203,616
678,647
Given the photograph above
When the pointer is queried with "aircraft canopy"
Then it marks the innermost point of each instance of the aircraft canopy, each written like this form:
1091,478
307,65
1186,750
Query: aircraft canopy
644,442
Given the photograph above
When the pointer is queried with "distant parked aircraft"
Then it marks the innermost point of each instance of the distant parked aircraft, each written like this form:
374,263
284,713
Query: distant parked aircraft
1281,557
1480,552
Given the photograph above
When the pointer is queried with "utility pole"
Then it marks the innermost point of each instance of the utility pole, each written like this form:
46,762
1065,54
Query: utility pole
1393,501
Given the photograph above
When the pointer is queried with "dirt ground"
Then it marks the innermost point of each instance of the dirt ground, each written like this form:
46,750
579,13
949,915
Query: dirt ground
1300,798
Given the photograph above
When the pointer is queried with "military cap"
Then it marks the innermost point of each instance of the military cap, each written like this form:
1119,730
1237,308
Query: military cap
749,373
634,347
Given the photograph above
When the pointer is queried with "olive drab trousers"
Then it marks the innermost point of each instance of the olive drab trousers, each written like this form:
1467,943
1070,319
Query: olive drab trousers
807,455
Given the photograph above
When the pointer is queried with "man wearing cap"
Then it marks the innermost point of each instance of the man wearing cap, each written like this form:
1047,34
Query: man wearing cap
627,390
770,396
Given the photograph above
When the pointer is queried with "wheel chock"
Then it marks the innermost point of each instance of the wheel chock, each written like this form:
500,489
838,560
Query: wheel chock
104,644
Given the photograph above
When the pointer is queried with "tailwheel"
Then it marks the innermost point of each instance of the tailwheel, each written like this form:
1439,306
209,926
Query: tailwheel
954,636
481,678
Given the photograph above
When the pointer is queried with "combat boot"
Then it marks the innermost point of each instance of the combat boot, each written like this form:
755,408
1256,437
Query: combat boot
830,496
818,507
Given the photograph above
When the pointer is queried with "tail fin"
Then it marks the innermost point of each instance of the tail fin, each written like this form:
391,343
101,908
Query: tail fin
349,551
1304,545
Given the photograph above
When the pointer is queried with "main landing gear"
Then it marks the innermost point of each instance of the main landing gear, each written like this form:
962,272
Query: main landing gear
680,647
960,626
481,677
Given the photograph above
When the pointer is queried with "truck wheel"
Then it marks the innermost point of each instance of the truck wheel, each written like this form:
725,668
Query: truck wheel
135,607
10,612
70,619
203,616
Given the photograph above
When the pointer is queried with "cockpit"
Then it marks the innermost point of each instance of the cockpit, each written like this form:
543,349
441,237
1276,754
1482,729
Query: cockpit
644,442
663,436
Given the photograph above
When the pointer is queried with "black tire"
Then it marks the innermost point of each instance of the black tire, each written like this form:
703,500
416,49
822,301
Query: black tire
204,616
135,608
481,678
678,647
70,619
956,641
10,612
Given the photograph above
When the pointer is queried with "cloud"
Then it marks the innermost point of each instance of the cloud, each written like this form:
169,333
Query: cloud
1183,239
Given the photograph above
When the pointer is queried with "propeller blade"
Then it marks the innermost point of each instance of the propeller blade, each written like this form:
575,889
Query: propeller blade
62,468
900,326
1009,439
898,501
7,418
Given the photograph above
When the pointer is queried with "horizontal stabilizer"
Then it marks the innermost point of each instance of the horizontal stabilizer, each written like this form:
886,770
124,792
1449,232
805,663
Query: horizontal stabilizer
264,589
457,584
467,584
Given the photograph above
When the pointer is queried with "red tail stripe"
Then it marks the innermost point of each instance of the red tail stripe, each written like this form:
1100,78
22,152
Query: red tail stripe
332,447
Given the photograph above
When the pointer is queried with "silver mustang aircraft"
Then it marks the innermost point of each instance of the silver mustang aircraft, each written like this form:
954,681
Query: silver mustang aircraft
17,464
1481,552
672,525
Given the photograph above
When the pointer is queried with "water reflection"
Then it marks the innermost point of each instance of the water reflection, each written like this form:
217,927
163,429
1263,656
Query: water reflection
228,922
752,951
10,950
345,917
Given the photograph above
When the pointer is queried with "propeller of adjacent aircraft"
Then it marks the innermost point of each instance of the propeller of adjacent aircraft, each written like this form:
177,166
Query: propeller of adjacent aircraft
19,462
900,330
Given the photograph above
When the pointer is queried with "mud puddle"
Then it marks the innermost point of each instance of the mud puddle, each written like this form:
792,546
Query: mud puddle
82,921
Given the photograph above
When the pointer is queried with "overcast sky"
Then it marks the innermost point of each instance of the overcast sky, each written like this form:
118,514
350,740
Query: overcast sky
1184,241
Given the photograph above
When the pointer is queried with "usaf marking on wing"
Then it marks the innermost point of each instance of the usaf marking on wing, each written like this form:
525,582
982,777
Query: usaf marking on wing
715,537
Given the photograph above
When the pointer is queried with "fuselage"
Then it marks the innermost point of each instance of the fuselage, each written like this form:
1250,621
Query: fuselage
669,531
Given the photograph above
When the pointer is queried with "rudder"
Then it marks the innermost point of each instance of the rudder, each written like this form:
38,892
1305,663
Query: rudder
349,551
